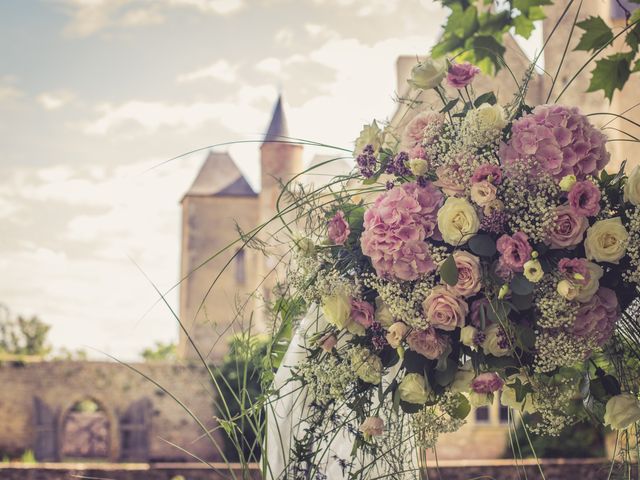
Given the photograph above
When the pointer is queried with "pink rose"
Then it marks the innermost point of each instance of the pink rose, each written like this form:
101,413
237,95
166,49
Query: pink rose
584,198
362,312
444,309
461,74
568,228
469,274
596,319
487,383
328,342
447,182
515,251
422,129
428,343
372,426
572,266
338,229
487,172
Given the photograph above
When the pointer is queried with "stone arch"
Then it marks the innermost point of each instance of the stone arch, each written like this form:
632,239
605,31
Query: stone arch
112,438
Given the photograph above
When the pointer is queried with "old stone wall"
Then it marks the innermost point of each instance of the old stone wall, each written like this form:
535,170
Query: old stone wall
35,399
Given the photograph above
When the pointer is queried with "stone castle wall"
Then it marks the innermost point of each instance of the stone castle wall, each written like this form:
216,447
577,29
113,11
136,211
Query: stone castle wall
115,387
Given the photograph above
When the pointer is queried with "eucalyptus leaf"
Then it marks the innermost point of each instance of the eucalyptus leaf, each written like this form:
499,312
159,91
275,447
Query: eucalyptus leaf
482,245
520,285
463,407
449,271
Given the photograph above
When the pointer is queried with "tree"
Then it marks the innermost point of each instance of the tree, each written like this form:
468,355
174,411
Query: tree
160,352
23,335
475,31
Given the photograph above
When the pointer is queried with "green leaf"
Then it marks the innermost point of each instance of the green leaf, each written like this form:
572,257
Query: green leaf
449,271
522,302
482,245
527,337
523,26
611,73
463,407
596,34
520,285
526,5
488,97
449,106
487,47
410,407
445,376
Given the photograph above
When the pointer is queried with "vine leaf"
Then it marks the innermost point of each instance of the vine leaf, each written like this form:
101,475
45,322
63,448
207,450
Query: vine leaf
611,73
596,34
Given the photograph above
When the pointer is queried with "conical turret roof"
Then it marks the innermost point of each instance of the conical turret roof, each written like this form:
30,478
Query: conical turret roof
220,177
278,128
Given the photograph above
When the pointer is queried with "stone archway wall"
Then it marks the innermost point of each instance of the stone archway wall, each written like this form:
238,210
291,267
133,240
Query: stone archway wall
116,387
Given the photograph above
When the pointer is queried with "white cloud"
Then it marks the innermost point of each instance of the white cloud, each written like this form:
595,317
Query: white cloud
55,100
284,37
8,90
220,70
277,67
220,7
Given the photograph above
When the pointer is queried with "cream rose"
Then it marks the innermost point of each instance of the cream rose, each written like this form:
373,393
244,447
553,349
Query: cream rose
480,399
469,274
467,335
372,427
632,187
366,365
418,166
414,389
483,193
457,221
462,381
369,135
606,241
444,309
396,333
586,292
428,74
567,289
383,314
337,310
487,118
622,411
495,342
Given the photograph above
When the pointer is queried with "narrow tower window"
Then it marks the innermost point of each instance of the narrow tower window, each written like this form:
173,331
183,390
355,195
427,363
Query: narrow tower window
240,267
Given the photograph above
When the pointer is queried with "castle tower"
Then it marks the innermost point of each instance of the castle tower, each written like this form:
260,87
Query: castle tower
280,162
219,199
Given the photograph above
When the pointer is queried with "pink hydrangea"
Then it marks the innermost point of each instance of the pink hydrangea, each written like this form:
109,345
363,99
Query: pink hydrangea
488,172
422,129
584,198
568,228
487,383
560,141
338,229
362,312
569,267
395,229
428,343
515,251
461,74
596,319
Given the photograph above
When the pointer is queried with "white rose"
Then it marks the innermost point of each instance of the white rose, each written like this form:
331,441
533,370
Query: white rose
586,292
418,166
457,221
366,365
383,314
567,289
396,333
632,187
487,118
337,310
462,381
369,135
428,74
495,342
606,241
533,271
414,389
483,193
622,411
467,334
372,426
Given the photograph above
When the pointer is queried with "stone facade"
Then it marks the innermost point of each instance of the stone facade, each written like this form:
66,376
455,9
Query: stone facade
36,399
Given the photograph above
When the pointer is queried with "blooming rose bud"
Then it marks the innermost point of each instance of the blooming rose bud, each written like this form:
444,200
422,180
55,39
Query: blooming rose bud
467,335
457,221
587,291
338,229
428,74
622,411
504,290
418,166
483,193
567,290
632,187
372,427
461,74
383,314
567,182
337,309
414,389
533,271
369,135
606,241
492,207
328,342
396,333
487,382
366,365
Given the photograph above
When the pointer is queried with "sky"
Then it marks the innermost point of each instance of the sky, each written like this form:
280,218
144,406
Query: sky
96,94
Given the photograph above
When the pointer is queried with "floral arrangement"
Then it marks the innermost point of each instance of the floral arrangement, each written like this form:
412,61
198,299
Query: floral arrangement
479,251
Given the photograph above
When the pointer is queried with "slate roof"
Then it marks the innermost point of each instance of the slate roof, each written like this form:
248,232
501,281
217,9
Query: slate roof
278,127
220,177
